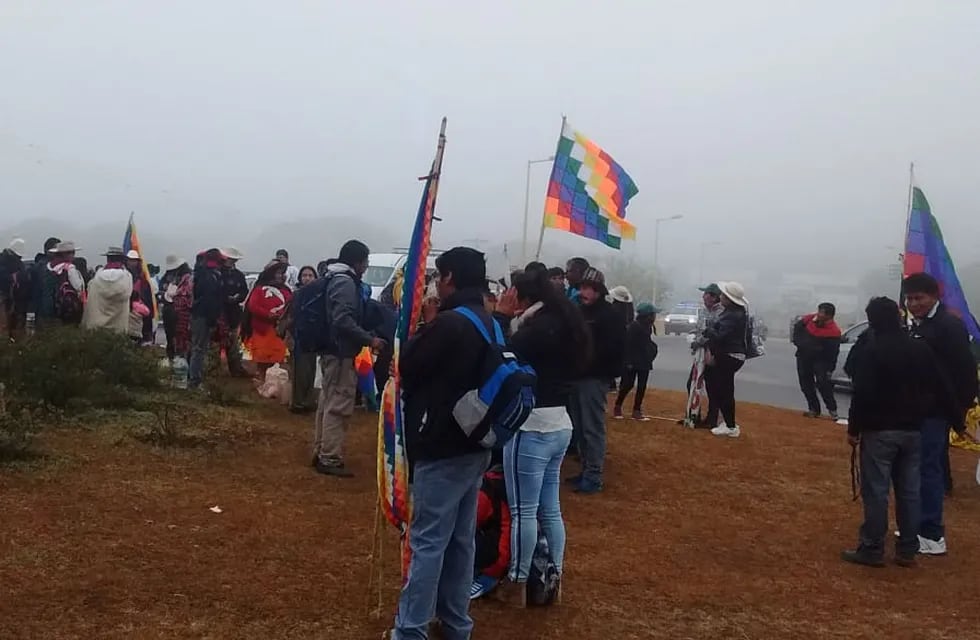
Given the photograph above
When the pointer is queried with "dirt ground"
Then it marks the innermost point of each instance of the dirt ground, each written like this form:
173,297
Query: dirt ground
694,537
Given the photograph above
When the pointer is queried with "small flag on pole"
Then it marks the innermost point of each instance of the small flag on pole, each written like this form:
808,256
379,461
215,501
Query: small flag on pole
925,251
588,191
131,242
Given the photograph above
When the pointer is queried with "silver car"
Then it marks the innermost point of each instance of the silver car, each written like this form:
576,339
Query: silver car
840,379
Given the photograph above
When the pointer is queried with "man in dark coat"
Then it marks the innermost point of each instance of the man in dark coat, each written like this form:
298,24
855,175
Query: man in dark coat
438,365
817,340
946,335
234,290
897,385
588,404
205,312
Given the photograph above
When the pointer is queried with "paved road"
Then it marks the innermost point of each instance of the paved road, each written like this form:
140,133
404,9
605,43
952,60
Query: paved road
769,380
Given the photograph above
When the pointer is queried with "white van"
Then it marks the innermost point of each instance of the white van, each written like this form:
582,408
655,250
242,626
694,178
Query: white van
382,267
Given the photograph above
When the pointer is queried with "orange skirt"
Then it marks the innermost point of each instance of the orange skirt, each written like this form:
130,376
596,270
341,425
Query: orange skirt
266,348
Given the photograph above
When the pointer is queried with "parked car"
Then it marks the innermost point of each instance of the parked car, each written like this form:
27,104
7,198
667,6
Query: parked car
840,379
382,266
682,319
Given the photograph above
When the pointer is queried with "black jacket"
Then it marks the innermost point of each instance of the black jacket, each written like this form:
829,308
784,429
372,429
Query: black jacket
15,282
608,340
818,349
897,384
727,334
947,336
234,291
208,301
641,351
438,365
543,341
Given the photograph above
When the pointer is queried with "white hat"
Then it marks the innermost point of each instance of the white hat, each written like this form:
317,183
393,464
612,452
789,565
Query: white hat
621,294
172,262
67,246
232,253
17,245
133,254
735,292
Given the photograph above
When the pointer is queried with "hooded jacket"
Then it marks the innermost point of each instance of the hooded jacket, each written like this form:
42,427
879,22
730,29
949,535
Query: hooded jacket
345,309
815,342
108,300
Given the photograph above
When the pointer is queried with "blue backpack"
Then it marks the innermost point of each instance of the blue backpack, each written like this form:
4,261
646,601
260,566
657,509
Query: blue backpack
491,414
311,326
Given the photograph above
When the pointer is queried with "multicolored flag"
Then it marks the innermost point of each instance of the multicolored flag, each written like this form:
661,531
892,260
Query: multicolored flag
588,191
925,251
393,489
131,242
364,365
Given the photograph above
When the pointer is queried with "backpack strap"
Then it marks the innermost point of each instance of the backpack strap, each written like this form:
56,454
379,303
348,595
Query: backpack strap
481,326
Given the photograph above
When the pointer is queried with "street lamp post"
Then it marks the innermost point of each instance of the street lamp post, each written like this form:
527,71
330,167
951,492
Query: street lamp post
527,201
656,252
704,245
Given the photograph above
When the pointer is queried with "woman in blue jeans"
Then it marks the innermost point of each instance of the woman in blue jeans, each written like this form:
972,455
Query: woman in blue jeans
548,332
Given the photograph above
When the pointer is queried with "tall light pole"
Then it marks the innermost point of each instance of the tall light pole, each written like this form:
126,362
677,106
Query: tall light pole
656,251
527,201
704,245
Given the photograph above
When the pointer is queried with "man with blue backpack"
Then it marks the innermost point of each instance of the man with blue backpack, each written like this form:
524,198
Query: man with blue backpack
329,321
453,371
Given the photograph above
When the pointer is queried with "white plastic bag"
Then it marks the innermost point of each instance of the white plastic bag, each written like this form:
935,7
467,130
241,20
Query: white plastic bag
318,379
275,379
978,471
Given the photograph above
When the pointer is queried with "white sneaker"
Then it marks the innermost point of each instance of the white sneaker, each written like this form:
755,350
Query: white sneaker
723,430
932,547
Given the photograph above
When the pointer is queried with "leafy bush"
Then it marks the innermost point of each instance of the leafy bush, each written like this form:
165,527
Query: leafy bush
64,367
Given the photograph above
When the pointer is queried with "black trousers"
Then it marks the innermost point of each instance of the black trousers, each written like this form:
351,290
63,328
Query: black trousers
814,376
719,382
630,378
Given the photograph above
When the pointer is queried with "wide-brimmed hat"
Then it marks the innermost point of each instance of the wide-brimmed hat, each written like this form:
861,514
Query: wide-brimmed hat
621,294
171,262
735,292
133,254
18,246
114,251
231,253
711,288
68,246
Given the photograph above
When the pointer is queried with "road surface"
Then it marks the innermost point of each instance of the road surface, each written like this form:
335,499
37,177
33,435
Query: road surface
768,380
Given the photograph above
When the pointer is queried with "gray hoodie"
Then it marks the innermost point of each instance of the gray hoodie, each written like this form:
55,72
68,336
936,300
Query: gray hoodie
345,309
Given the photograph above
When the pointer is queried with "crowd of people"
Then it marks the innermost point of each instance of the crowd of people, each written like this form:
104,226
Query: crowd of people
482,517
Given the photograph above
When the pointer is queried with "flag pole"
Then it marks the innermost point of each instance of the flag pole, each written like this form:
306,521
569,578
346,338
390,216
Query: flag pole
905,242
537,253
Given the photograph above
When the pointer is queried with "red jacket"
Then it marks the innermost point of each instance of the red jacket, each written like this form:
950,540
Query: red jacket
493,526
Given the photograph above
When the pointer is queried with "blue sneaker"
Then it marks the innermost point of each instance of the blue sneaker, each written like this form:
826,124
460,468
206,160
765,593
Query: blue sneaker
482,585
588,487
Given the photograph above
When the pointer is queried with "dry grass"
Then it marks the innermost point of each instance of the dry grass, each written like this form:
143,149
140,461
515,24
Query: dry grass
695,537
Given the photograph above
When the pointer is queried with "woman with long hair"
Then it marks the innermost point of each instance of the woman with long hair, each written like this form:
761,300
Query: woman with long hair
548,332
264,306
302,363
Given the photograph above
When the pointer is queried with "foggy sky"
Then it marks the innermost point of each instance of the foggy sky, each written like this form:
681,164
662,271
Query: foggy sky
769,125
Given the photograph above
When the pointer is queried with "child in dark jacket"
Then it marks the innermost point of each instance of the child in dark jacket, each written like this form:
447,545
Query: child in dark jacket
641,351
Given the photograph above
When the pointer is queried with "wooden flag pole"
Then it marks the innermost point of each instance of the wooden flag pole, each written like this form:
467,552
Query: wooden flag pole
537,253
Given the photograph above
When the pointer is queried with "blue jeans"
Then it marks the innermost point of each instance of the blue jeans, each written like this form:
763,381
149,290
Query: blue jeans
200,343
587,409
890,458
442,539
532,461
935,439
